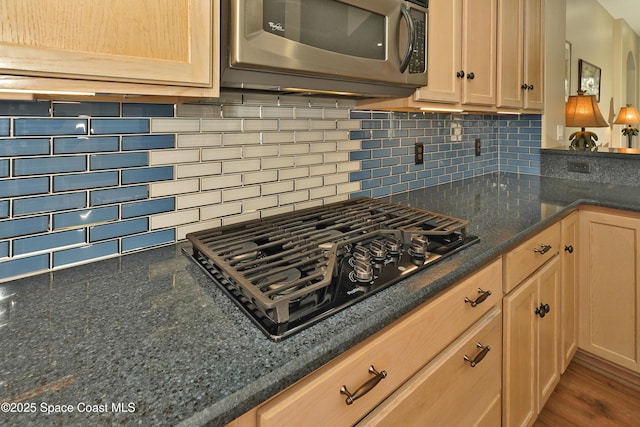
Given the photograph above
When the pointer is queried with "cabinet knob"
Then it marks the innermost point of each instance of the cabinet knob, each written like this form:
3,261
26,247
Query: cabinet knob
568,248
483,352
471,76
530,87
364,388
483,296
524,86
460,74
543,310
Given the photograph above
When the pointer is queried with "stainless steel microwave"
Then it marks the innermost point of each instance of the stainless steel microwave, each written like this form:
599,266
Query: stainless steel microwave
351,47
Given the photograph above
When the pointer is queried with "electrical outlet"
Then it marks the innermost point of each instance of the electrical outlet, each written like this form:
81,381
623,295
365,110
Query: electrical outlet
419,153
580,167
478,146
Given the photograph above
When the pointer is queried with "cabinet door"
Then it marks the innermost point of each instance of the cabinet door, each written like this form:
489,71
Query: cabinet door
569,289
534,54
548,346
443,54
160,42
519,370
479,20
448,391
510,53
609,277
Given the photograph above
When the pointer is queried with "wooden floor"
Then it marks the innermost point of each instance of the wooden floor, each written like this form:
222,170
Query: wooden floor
586,398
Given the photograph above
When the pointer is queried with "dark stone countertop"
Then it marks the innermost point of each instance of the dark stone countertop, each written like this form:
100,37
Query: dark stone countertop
150,330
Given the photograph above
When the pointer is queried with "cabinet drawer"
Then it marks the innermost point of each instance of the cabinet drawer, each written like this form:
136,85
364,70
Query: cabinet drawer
400,350
448,391
530,255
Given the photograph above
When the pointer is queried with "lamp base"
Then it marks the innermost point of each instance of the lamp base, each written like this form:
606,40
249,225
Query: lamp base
583,141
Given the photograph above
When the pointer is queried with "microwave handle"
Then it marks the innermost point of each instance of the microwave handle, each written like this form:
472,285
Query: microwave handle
404,10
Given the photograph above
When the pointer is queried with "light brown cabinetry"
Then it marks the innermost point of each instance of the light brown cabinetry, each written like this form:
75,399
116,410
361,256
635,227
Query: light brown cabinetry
521,54
462,52
532,314
151,47
400,350
609,275
569,288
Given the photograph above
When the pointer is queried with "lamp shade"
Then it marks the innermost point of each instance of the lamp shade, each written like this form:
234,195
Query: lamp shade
628,116
582,111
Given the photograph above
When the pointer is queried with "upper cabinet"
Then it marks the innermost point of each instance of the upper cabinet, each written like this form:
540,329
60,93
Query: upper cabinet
521,54
461,52
146,47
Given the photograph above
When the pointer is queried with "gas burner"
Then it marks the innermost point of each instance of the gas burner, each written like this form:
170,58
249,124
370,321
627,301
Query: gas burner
289,271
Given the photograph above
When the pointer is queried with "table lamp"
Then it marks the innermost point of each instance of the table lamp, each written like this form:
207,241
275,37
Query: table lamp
582,111
628,116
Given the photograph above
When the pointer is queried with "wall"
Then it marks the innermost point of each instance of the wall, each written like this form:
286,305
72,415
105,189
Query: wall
85,181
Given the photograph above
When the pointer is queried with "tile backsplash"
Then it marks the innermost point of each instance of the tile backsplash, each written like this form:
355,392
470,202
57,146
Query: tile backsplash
81,181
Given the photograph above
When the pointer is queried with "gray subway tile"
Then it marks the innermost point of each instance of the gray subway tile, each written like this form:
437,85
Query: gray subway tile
48,241
24,147
85,217
92,109
85,181
85,144
147,142
148,207
42,127
5,127
4,208
118,126
4,168
22,266
25,108
137,176
118,160
24,226
49,165
118,229
24,187
41,204
147,110
4,249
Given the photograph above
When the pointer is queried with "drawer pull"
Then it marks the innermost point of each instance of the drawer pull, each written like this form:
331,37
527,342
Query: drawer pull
483,296
364,388
543,249
543,310
483,352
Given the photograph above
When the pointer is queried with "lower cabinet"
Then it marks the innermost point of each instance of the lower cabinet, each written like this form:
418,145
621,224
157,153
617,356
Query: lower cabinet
569,293
532,344
461,386
609,274
374,369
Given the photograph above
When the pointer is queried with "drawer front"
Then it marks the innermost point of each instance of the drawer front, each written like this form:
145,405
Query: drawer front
530,255
400,349
448,391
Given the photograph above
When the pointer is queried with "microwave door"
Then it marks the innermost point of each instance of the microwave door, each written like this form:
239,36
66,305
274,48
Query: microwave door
353,40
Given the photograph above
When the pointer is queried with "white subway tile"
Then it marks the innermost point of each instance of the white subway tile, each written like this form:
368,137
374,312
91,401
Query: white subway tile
222,181
259,203
221,125
337,178
191,140
183,230
250,125
269,112
277,187
290,149
170,157
221,153
260,177
175,125
198,199
338,198
218,211
173,188
277,162
342,156
337,113
293,173
322,192
348,167
260,98
348,187
293,197
311,136
308,113
322,170
265,213
306,183
308,204
349,145
240,193
198,169
240,139
322,147
198,110
260,151
234,166
349,124
293,125
312,159
336,135
277,137
236,219
241,111
322,124
174,219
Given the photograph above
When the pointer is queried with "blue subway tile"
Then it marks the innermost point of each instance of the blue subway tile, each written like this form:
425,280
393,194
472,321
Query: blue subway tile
81,181
43,127
148,240
4,168
22,266
23,226
148,207
106,126
147,142
92,109
24,187
46,165
4,249
359,134
85,144
380,192
85,253
85,217
4,208
53,203
24,147
49,241
117,195
25,108
118,229
118,160
137,176
5,127
147,110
